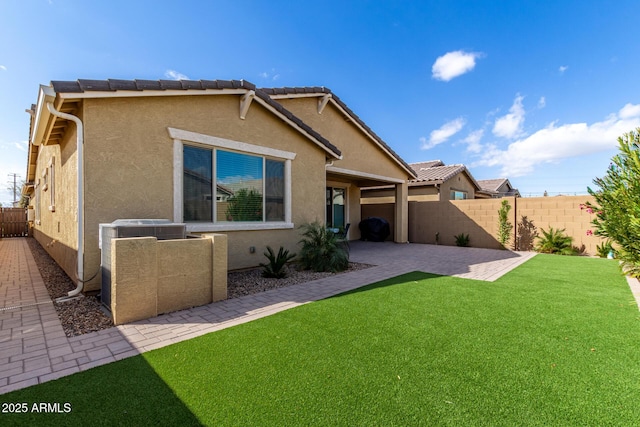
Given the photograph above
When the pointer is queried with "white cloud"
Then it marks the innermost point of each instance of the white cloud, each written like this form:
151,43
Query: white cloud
542,102
271,76
454,64
510,125
473,141
175,75
3,68
22,145
554,143
445,132
563,68
629,111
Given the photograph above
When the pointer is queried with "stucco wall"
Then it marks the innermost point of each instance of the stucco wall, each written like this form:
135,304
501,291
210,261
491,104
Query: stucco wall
151,277
479,219
129,164
359,151
57,231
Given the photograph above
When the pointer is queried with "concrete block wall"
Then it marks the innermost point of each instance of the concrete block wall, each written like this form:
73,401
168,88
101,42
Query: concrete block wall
151,277
479,219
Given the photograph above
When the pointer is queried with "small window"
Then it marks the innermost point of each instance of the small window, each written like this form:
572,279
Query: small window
458,195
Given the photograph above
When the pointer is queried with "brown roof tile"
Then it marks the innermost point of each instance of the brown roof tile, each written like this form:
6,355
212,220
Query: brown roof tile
113,85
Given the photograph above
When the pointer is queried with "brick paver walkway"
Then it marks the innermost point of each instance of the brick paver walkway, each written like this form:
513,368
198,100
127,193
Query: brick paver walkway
34,348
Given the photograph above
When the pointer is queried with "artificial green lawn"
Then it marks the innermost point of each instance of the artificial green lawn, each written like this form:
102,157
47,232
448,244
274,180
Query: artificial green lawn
554,342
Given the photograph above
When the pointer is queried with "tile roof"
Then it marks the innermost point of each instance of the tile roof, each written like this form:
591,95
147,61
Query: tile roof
491,184
112,85
310,90
437,173
427,164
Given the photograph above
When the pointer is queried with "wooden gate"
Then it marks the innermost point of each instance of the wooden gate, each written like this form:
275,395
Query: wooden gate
13,222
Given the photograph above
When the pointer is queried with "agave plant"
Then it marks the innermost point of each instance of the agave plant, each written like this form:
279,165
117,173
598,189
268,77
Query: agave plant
555,242
275,267
462,240
323,250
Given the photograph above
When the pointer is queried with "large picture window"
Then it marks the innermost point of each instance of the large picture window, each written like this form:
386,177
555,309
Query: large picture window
226,185
247,188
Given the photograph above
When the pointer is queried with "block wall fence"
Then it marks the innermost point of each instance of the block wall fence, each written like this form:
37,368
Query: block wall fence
151,277
479,219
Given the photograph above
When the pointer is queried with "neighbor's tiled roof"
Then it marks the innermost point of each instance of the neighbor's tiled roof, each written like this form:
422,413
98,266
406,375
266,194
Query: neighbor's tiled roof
321,89
112,85
491,184
437,173
425,165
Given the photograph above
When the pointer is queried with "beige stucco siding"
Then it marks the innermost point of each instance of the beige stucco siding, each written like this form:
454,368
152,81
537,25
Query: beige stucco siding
56,229
459,182
360,153
129,163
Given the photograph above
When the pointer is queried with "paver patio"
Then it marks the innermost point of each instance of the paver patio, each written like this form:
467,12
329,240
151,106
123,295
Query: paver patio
34,348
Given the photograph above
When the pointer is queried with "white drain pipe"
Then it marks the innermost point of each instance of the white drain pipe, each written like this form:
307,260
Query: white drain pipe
80,144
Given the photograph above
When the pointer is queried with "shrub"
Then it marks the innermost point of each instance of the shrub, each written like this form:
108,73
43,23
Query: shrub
245,205
555,242
322,250
617,203
462,240
275,267
604,249
504,226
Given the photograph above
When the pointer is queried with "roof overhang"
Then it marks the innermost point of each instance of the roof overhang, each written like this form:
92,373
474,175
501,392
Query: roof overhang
326,97
43,120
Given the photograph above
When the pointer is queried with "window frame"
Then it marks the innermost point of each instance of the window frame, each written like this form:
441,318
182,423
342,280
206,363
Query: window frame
182,137
52,199
452,194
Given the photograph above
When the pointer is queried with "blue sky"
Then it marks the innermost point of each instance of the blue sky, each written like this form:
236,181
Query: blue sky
535,91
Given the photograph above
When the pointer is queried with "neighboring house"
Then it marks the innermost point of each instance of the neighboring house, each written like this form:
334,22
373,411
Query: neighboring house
496,188
114,149
434,181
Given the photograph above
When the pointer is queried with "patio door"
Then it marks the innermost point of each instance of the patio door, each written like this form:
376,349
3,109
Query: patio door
336,209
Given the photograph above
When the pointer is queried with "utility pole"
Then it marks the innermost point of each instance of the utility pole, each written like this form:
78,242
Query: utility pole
14,187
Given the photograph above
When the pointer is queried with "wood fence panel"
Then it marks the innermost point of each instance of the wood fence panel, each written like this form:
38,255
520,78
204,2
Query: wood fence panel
13,222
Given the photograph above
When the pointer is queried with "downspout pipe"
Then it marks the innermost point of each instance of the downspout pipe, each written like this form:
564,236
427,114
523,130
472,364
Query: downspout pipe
80,144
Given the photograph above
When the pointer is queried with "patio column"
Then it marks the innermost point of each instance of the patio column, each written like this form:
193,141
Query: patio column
401,226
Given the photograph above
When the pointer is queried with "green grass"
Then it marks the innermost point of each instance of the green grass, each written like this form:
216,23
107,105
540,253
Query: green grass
554,342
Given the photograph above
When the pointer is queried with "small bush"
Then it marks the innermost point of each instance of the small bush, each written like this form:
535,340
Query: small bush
322,250
462,240
275,267
604,249
555,242
504,225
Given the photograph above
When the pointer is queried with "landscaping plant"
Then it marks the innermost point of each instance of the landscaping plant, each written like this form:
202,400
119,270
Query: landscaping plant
462,240
504,225
275,267
604,249
322,249
617,203
555,242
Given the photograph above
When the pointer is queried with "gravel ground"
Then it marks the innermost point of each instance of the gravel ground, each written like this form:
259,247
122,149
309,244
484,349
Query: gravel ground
84,315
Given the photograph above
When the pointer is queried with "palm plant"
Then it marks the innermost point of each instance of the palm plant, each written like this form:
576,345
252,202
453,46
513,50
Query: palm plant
323,250
555,242
275,267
